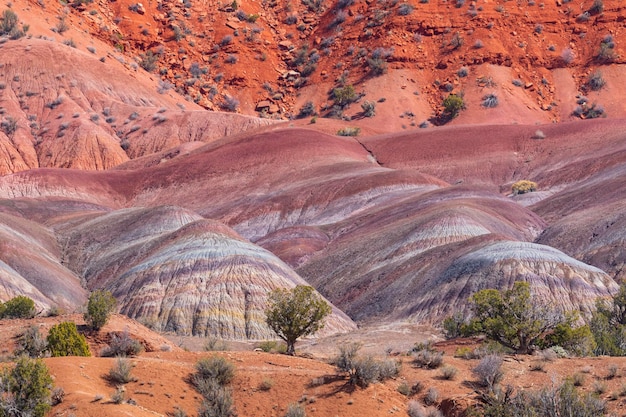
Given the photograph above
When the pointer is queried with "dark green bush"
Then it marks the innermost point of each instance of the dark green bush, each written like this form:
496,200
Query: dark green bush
25,389
452,105
19,307
8,25
64,340
344,95
515,320
608,325
99,307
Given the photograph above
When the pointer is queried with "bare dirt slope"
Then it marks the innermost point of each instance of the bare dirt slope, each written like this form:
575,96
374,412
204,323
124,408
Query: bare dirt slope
95,115
265,384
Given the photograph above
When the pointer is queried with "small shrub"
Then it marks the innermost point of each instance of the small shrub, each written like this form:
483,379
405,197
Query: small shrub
431,397
369,108
597,7
405,9
404,388
57,396
119,395
54,311
595,81
214,344
489,101
489,371
589,112
149,61
537,366
463,72
226,40
607,50
20,307
428,358
344,95
295,410
578,379
61,26
559,401
230,103
217,402
415,409
64,340
349,131
363,371
388,368
567,56
99,307
547,355
121,372
9,22
178,412
266,384
215,368
457,41
523,187
268,345
539,135
8,126
308,109
25,389
122,345
32,343
452,105
449,372
612,371
464,352
599,387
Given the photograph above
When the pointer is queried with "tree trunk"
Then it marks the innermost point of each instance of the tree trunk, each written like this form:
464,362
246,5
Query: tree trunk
291,348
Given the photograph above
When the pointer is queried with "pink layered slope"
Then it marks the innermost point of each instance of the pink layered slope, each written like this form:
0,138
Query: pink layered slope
387,228
95,115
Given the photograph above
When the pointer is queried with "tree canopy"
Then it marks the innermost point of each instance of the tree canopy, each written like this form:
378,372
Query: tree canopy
515,320
295,313
99,307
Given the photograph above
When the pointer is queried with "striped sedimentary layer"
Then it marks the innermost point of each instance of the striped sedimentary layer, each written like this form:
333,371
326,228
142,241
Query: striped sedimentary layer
30,265
179,272
359,221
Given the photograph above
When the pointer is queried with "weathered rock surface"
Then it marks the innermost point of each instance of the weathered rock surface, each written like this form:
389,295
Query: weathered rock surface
356,218
30,265
179,272
95,115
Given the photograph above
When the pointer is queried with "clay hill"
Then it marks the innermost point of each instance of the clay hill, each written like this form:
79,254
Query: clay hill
388,228
185,156
115,180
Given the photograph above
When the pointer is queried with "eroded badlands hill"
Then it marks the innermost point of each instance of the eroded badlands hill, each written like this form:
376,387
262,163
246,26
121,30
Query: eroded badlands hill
366,221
